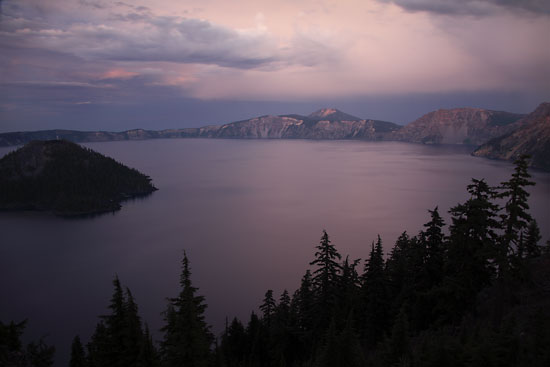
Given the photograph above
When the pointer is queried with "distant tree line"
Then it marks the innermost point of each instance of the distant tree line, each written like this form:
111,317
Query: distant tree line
471,297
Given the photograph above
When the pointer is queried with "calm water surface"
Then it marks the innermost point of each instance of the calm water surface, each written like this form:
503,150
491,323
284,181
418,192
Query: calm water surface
247,212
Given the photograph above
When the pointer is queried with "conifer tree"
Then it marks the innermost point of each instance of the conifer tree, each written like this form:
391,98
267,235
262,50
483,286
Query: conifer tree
99,347
374,296
187,337
40,354
305,303
132,332
531,240
234,344
433,239
349,288
268,307
118,339
148,356
325,279
400,272
78,356
516,217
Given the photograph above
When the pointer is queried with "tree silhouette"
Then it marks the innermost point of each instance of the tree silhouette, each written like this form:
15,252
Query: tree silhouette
187,337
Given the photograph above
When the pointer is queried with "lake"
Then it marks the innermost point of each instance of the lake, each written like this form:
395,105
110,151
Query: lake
249,214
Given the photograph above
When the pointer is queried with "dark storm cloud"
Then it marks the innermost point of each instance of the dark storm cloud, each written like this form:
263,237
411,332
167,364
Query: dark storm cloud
473,7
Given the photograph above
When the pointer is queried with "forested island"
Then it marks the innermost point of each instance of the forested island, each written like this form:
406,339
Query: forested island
473,293
66,179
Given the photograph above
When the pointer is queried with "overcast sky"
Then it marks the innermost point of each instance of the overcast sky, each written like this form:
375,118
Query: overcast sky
115,65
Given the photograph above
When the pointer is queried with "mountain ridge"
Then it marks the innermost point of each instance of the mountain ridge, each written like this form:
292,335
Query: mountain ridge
532,138
464,126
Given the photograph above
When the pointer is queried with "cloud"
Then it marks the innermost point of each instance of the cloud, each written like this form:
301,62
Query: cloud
117,74
472,7
133,33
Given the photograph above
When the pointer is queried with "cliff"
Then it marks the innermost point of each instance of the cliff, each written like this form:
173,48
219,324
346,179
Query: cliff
471,126
532,138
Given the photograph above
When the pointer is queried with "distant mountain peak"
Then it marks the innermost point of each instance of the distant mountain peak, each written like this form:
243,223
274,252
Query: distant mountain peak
332,114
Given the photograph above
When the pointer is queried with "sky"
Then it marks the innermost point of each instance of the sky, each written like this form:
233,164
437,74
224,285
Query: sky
156,64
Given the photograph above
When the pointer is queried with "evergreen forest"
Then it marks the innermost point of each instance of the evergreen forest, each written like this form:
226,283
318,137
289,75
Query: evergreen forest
472,292
67,179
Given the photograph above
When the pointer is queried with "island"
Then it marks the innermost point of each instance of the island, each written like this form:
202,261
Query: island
67,179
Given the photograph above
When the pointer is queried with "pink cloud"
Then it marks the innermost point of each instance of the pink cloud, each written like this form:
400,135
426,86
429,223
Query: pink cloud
117,74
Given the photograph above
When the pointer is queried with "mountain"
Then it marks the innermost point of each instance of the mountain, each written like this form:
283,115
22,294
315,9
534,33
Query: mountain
67,179
323,124
471,126
532,137
331,114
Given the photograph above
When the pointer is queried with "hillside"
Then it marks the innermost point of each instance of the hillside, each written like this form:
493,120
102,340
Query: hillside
471,126
323,124
67,179
532,138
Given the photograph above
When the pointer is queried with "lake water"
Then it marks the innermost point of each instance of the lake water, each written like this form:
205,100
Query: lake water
249,214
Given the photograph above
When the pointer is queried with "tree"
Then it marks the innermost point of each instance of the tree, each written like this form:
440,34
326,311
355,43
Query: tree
433,239
118,339
234,344
268,307
40,354
532,238
515,218
374,296
305,303
471,252
78,356
325,279
349,288
187,337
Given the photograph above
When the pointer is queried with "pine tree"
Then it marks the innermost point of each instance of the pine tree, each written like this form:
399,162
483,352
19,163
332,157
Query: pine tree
515,218
99,347
349,288
40,354
187,337
305,303
433,239
471,253
78,357
325,279
531,241
234,344
132,332
400,274
374,296
268,308
118,339
148,356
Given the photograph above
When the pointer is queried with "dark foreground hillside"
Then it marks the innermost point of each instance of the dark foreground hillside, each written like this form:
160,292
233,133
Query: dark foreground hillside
67,179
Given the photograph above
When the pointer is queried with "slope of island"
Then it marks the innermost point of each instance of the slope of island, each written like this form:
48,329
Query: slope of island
66,179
